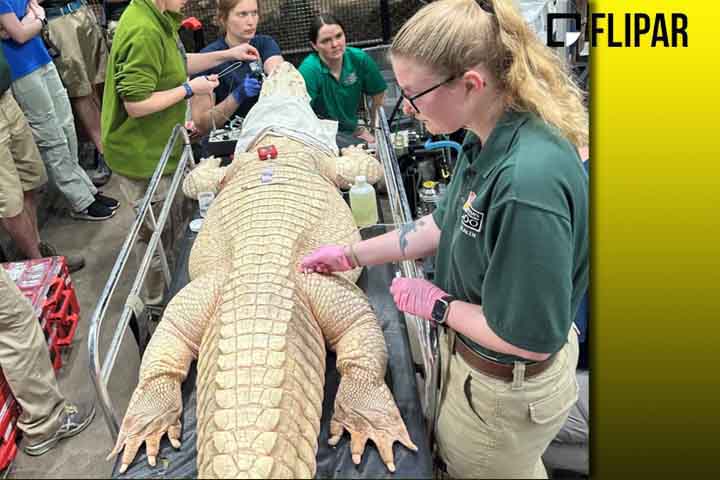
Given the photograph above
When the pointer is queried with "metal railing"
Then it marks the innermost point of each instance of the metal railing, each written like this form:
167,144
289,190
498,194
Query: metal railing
425,332
100,371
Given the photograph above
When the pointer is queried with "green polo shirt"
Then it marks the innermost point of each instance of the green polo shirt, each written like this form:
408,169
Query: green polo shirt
4,73
340,99
145,58
514,237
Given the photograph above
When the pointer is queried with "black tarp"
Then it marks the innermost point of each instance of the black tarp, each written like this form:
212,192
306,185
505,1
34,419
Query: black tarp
332,462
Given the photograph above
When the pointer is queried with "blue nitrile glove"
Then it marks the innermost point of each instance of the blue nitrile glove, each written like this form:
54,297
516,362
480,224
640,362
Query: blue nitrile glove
250,87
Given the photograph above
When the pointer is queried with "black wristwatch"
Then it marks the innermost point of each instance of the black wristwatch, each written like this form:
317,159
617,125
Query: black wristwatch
441,308
188,90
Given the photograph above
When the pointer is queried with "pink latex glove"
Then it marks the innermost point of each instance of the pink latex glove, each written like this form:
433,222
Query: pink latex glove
326,259
415,296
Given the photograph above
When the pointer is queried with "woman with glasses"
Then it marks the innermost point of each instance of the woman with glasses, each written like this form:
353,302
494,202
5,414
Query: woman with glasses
239,84
337,76
510,236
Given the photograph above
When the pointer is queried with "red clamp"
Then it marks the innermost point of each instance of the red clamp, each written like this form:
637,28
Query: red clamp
192,24
267,152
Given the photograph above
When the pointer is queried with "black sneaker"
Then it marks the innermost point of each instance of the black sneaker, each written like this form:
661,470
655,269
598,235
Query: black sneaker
74,420
74,262
109,202
94,213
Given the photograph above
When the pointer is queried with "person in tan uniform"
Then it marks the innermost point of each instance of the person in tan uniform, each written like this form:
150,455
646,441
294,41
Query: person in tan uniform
22,172
47,417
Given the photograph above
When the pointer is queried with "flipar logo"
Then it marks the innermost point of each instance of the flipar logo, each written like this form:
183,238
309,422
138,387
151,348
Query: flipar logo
472,220
570,36
640,29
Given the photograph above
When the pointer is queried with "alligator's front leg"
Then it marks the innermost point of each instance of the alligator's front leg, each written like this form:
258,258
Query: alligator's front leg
156,404
364,404
205,177
355,162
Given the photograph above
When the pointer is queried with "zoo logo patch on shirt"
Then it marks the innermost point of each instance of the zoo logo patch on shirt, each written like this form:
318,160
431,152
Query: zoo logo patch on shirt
472,220
350,79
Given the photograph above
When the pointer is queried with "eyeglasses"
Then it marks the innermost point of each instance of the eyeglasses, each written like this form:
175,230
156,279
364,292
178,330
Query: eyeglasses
424,92
411,99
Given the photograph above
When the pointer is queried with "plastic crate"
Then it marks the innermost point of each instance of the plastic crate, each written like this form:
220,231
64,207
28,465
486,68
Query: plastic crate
9,413
47,285
8,447
65,317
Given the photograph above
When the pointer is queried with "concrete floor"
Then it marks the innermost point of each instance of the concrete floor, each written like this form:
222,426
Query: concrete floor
83,456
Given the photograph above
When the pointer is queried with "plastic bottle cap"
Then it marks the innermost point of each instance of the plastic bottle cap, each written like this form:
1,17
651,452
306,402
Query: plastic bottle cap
429,184
360,179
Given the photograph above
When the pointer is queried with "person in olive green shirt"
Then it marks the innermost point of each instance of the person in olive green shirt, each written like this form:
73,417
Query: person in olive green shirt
146,89
510,236
145,85
337,76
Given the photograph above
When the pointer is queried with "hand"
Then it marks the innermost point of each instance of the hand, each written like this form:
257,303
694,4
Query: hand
249,88
326,259
192,130
204,84
244,51
415,296
37,10
364,134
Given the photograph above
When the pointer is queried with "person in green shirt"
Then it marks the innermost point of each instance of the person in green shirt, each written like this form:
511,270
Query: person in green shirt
146,89
510,236
337,76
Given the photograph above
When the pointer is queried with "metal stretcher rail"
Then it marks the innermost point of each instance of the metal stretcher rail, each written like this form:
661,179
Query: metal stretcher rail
424,331
101,369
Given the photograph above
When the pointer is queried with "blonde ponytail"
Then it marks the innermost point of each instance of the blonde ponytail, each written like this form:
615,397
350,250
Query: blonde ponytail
451,36
537,80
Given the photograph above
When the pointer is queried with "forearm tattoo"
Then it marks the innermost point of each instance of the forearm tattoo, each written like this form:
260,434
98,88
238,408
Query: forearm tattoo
405,230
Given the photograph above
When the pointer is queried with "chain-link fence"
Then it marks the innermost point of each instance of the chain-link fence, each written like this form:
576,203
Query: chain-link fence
367,22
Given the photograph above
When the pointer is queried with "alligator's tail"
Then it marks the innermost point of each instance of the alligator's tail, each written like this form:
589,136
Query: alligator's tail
260,388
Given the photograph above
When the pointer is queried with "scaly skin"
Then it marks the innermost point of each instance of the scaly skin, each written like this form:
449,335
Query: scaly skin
259,328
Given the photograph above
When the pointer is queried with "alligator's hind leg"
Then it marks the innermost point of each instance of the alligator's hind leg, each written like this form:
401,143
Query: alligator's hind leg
156,404
364,404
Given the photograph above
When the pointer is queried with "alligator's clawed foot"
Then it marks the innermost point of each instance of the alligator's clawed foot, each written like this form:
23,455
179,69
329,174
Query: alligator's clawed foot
368,413
146,421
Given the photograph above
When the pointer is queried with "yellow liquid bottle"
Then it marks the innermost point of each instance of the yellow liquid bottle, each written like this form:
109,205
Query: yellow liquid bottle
363,203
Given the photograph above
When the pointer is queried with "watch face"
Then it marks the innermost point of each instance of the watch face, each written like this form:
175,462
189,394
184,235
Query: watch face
438,312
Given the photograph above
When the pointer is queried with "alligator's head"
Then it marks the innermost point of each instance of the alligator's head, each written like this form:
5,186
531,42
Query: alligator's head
284,109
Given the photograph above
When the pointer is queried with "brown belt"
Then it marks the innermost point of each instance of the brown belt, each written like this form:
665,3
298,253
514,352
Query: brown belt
503,371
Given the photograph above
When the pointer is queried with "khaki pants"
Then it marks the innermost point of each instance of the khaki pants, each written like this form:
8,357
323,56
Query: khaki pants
133,192
490,428
83,51
25,362
21,168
